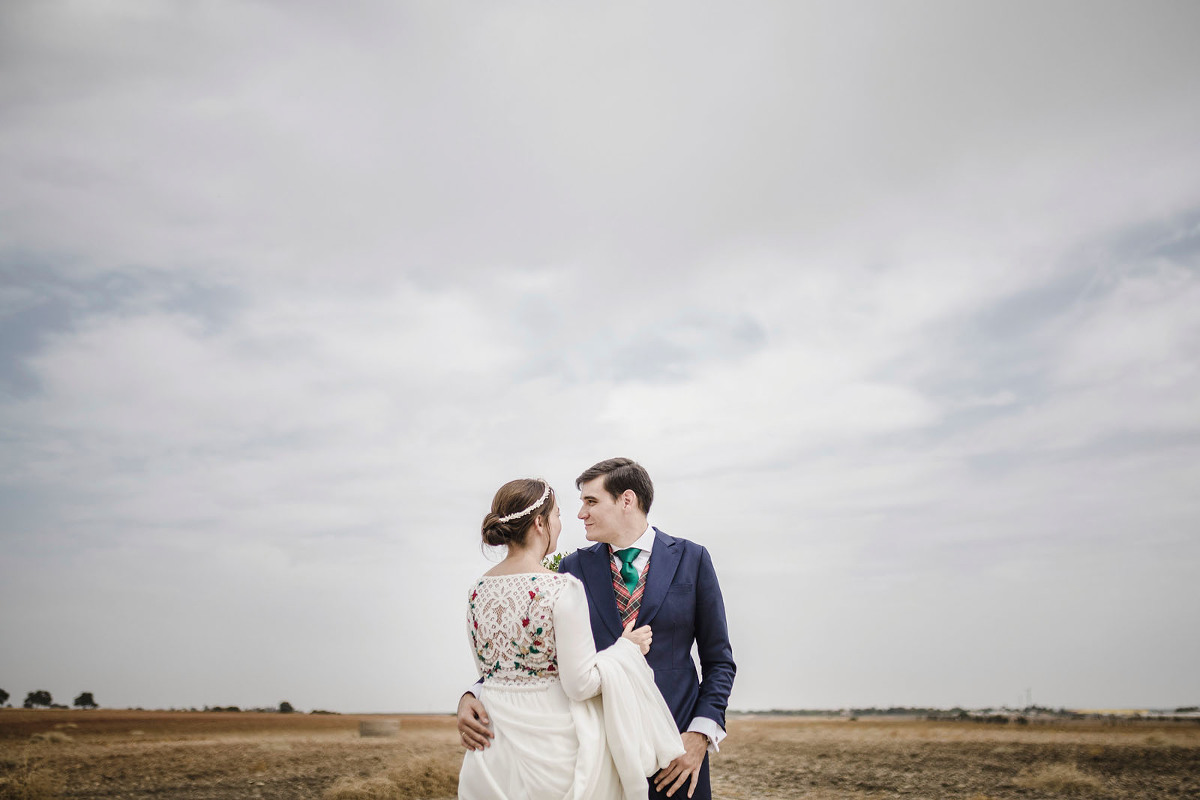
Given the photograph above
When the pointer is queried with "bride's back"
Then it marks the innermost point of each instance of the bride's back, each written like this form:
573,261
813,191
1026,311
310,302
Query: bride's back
510,619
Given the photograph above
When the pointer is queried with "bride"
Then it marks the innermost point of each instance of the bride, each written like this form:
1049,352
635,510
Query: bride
555,737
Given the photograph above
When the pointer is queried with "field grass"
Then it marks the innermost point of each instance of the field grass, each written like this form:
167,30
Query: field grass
48,754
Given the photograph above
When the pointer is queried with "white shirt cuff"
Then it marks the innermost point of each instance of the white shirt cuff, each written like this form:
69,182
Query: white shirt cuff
714,732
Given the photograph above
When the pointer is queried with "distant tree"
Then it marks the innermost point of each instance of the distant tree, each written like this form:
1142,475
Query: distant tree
3,697
285,707
39,698
85,700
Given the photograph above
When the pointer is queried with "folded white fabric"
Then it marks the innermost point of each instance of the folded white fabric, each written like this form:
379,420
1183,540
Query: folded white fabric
641,732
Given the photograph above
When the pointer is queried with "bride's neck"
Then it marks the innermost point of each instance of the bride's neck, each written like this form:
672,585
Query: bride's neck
525,556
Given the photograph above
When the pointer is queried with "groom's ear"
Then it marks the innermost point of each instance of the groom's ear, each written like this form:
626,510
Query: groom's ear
629,499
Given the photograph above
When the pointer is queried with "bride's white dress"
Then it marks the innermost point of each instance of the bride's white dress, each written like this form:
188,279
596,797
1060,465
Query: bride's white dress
557,737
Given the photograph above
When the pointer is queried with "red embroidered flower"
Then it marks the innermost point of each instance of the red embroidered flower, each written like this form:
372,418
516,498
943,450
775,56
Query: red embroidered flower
532,594
550,668
525,622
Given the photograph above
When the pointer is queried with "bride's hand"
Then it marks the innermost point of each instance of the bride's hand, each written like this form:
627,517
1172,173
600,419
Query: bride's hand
641,637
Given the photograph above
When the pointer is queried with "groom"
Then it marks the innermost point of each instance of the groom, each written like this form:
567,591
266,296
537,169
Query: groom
636,570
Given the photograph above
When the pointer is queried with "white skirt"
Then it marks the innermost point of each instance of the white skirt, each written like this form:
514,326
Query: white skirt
536,753
548,747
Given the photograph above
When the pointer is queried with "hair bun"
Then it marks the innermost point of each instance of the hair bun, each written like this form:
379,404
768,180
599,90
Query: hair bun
495,533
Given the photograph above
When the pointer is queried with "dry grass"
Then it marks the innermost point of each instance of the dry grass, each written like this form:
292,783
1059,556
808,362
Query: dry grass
52,737
427,777
782,757
416,778
223,756
189,756
1060,778
25,779
377,788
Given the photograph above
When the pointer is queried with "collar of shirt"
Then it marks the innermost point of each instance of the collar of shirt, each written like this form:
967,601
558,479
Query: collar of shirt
644,543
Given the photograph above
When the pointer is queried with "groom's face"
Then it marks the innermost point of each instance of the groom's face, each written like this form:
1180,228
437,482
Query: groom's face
600,512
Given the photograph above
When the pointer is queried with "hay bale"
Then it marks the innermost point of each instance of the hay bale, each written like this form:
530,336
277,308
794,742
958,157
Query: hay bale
379,727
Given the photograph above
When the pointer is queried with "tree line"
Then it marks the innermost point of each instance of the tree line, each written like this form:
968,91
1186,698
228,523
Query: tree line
40,698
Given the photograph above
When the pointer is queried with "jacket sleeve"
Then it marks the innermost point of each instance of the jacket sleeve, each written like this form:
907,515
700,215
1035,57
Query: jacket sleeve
717,668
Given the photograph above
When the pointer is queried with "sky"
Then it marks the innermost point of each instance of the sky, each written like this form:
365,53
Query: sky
899,304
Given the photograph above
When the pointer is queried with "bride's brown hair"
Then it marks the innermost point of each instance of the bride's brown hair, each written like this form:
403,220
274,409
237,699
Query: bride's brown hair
512,498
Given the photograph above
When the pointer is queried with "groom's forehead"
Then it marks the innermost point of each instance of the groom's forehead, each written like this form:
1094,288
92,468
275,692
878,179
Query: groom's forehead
594,490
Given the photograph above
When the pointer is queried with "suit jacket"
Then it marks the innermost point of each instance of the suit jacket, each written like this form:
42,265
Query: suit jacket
682,603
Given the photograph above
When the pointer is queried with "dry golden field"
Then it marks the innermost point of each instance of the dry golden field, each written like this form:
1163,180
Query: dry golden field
221,756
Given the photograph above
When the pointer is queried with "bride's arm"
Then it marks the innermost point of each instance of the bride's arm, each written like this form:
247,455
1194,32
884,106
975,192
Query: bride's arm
576,648
471,634
472,716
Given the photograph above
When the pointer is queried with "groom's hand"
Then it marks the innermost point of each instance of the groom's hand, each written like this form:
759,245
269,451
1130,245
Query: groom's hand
687,765
473,723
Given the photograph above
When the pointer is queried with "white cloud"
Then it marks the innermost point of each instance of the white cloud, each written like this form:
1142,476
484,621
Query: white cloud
869,289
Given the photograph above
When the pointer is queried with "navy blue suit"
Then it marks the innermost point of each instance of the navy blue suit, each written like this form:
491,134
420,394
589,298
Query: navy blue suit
682,604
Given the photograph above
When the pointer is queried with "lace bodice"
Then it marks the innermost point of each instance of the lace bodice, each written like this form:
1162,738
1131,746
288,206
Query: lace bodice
510,619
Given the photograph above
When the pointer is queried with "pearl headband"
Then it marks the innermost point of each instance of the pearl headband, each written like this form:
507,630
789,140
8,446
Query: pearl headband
519,514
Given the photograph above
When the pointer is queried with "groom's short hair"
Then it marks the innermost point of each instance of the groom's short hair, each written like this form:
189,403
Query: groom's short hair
621,474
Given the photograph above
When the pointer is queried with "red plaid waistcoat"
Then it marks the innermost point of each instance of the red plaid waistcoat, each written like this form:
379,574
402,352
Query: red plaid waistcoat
628,604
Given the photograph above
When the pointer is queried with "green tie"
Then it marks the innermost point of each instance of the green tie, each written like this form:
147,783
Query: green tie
628,573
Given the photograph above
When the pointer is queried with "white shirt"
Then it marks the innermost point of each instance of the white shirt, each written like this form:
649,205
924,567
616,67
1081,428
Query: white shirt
645,543
709,727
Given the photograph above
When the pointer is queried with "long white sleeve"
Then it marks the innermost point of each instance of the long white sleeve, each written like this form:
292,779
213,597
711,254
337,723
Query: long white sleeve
576,648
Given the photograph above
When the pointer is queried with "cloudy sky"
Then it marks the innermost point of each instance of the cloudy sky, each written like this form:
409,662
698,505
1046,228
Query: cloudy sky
899,303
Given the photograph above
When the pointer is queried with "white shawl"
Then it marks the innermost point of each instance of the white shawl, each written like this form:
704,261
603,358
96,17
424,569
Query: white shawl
641,732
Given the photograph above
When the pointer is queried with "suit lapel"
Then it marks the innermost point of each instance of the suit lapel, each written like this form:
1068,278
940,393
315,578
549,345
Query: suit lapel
597,577
664,559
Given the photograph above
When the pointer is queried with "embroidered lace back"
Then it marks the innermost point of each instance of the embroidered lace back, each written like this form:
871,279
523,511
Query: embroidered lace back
511,622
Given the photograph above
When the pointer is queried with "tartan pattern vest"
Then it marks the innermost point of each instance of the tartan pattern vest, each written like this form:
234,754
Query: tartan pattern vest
627,603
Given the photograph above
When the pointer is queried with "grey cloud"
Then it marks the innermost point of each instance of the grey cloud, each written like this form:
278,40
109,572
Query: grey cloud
667,347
